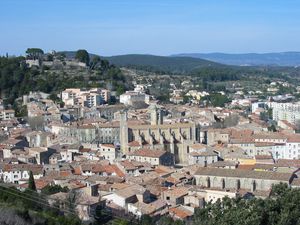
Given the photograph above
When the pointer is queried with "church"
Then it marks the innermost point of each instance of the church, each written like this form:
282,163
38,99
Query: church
175,138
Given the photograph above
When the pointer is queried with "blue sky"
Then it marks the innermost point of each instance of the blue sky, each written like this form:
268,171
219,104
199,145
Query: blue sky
160,27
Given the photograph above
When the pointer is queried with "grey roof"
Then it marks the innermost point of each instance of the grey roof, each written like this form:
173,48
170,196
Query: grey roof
222,164
204,171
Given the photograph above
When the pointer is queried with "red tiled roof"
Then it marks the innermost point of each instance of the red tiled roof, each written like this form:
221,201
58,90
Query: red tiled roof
179,212
114,169
134,144
65,173
84,150
246,167
148,153
127,165
40,184
77,171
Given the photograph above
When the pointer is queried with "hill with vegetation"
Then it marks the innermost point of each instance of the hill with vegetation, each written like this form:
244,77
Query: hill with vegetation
31,208
17,78
161,64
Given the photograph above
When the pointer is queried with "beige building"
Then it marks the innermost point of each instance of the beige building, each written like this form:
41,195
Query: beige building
88,98
153,156
7,114
108,151
240,179
175,195
202,155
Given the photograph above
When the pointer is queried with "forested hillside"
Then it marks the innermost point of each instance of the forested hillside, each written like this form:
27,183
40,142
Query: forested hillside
161,64
17,79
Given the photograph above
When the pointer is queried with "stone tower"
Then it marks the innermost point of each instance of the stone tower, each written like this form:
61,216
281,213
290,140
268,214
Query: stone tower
153,114
160,116
156,115
123,131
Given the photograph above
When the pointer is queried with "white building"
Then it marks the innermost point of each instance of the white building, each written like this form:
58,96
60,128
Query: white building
279,145
258,105
108,151
132,97
201,155
7,114
15,173
285,111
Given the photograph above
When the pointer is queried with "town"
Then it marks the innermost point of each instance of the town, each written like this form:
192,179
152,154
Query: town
132,154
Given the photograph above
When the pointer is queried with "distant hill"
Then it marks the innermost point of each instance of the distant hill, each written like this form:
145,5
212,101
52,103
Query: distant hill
153,63
161,63
249,59
71,54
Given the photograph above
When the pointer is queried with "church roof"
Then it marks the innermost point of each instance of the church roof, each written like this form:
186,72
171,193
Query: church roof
266,175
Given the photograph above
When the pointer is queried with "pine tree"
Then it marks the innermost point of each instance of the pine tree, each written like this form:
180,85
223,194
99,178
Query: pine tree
31,183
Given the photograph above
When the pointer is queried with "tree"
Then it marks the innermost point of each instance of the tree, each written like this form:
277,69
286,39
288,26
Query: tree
270,113
165,220
83,56
217,99
34,53
120,90
146,220
31,182
281,207
53,189
95,62
54,97
297,124
272,128
186,99
72,200
120,222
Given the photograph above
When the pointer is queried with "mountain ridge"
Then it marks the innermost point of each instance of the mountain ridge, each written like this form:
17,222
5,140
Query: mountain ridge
289,58
148,62
164,63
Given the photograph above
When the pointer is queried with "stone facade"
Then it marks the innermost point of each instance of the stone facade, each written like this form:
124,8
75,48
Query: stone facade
240,179
175,137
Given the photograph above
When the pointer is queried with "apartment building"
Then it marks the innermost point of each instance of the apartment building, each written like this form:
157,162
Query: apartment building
88,98
286,111
279,145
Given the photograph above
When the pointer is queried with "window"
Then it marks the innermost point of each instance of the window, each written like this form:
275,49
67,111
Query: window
168,198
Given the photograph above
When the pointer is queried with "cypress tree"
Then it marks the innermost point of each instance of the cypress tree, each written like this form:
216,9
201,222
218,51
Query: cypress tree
31,183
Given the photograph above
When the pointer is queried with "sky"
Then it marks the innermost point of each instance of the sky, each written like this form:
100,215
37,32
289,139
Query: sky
161,27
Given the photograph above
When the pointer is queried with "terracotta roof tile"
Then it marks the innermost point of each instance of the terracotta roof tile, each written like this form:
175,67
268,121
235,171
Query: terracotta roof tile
148,153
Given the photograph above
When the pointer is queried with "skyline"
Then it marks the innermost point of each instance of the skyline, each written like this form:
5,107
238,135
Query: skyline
156,27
